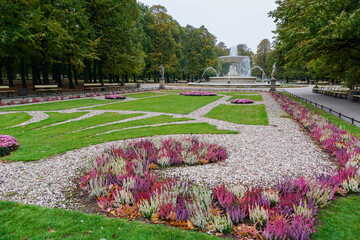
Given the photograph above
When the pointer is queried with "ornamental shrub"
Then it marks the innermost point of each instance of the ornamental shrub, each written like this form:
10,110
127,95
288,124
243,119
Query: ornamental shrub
115,97
241,101
7,144
198,93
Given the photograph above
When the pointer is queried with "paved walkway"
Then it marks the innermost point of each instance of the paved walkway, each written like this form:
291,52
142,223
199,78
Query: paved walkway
344,106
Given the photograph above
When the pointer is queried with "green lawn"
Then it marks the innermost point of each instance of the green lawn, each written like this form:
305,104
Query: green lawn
251,97
12,119
55,106
248,114
340,220
166,104
143,95
18,221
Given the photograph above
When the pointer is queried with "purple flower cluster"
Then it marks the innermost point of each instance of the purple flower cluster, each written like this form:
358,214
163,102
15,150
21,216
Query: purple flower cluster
115,97
7,144
196,93
242,101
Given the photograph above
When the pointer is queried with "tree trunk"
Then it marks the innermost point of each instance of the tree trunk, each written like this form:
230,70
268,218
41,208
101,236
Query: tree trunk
45,71
34,71
9,71
22,72
1,65
86,72
71,85
75,75
101,75
94,71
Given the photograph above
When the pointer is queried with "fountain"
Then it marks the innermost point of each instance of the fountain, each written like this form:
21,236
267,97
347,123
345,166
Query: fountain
239,72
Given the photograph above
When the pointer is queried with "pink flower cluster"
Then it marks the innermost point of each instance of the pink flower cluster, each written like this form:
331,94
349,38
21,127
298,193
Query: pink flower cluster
115,97
242,101
7,144
195,93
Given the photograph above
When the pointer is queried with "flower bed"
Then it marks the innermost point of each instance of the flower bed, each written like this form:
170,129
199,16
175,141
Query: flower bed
242,101
195,93
7,144
123,185
114,97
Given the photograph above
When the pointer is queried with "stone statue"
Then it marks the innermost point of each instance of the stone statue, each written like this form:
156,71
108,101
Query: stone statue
162,71
273,73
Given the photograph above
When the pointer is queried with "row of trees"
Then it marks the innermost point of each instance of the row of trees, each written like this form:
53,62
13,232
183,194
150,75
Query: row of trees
95,39
318,39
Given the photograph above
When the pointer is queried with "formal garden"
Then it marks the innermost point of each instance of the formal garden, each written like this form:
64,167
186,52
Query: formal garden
177,164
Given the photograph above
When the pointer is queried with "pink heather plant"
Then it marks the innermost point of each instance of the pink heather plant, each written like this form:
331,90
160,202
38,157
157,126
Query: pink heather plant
115,97
198,93
7,144
241,101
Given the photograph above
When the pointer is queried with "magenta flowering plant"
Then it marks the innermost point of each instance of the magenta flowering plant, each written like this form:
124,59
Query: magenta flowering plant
7,144
242,101
115,97
196,93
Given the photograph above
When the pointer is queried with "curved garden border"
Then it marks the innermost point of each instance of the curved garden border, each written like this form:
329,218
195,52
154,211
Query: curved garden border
286,211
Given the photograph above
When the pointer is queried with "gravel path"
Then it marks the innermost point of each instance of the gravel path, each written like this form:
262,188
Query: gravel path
258,155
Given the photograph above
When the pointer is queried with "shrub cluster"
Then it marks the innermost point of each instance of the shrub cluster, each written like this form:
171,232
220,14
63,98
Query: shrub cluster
115,97
196,93
7,144
242,101
123,185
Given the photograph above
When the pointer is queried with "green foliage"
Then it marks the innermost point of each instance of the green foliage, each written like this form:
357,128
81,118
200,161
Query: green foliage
20,221
326,32
248,114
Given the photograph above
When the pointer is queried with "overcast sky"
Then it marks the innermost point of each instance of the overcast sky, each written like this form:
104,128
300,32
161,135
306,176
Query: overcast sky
231,21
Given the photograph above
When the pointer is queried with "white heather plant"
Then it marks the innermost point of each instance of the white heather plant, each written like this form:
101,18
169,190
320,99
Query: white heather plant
320,194
351,185
148,210
198,216
272,196
302,209
238,190
164,161
186,144
122,197
189,158
157,142
97,186
129,183
258,214
223,224
203,196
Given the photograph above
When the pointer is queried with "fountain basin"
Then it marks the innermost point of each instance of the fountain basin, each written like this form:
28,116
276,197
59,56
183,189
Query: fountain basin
233,80
233,59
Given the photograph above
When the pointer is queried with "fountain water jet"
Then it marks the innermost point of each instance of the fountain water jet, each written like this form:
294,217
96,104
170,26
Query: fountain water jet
206,71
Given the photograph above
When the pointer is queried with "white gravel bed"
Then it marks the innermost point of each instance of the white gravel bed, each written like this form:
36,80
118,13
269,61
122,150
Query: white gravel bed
36,116
258,155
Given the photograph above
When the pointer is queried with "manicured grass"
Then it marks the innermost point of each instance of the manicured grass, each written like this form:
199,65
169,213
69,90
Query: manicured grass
55,106
251,97
20,221
43,142
143,95
12,119
340,220
331,118
249,114
166,104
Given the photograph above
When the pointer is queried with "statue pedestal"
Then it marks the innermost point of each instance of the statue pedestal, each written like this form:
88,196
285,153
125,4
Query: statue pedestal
272,85
162,83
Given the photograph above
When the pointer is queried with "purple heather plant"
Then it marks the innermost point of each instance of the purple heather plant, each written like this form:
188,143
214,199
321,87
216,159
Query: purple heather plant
242,101
115,97
7,144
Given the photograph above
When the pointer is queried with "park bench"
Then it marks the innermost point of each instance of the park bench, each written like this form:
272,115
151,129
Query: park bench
132,85
181,81
93,86
340,92
112,86
7,90
47,88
